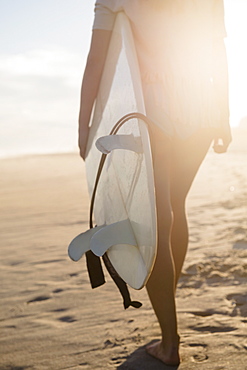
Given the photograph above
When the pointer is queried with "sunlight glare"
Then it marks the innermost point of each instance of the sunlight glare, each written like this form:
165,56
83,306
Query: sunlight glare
236,25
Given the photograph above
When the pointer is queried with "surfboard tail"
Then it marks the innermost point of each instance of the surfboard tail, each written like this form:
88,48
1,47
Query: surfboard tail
94,243
122,286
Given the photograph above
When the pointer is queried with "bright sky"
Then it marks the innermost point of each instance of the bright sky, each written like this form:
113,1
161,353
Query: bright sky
43,47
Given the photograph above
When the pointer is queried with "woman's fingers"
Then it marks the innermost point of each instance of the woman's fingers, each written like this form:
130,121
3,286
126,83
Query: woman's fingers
82,142
221,144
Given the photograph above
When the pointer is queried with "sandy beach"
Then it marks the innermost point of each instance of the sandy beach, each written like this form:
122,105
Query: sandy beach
50,318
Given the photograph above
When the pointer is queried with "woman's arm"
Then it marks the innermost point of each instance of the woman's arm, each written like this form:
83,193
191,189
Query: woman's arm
223,137
90,83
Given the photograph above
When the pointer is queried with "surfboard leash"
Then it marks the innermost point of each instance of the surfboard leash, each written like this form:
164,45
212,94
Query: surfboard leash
94,266
114,131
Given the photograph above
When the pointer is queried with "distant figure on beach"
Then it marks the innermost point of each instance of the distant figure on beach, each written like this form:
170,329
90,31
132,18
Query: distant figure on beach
183,66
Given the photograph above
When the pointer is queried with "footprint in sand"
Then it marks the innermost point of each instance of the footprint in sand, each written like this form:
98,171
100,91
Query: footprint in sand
84,365
203,313
200,355
237,298
74,274
44,262
68,319
60,310
214,329
10,367
239,303
39,298
240,244
57,290
118,360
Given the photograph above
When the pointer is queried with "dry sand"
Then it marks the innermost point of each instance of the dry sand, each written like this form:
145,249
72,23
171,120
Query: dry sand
50,317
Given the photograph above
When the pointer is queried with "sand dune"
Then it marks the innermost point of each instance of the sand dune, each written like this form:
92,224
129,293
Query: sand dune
50,317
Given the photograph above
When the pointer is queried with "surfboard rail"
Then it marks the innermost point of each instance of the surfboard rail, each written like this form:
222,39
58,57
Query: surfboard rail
119,169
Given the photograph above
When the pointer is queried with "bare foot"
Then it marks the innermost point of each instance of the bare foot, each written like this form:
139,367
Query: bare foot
167,356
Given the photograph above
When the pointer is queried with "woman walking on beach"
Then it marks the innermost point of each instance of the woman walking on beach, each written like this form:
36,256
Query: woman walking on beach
182,59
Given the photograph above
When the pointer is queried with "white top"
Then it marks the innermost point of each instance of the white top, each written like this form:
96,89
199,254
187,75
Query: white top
174,43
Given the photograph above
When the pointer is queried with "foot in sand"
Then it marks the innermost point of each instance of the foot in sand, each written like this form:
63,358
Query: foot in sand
169,356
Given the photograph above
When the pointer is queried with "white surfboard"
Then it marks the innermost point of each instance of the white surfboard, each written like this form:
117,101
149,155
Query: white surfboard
124,208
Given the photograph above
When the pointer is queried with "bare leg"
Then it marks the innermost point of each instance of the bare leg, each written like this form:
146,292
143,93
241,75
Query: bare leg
161,285
179,240
187,156
175,166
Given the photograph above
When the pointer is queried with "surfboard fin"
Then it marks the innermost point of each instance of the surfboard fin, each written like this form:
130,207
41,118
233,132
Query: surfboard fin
94,243
117,233
106,144
81,243
100,238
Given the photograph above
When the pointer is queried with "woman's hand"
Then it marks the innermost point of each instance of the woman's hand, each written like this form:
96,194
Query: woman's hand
82,140
220,77
222,141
